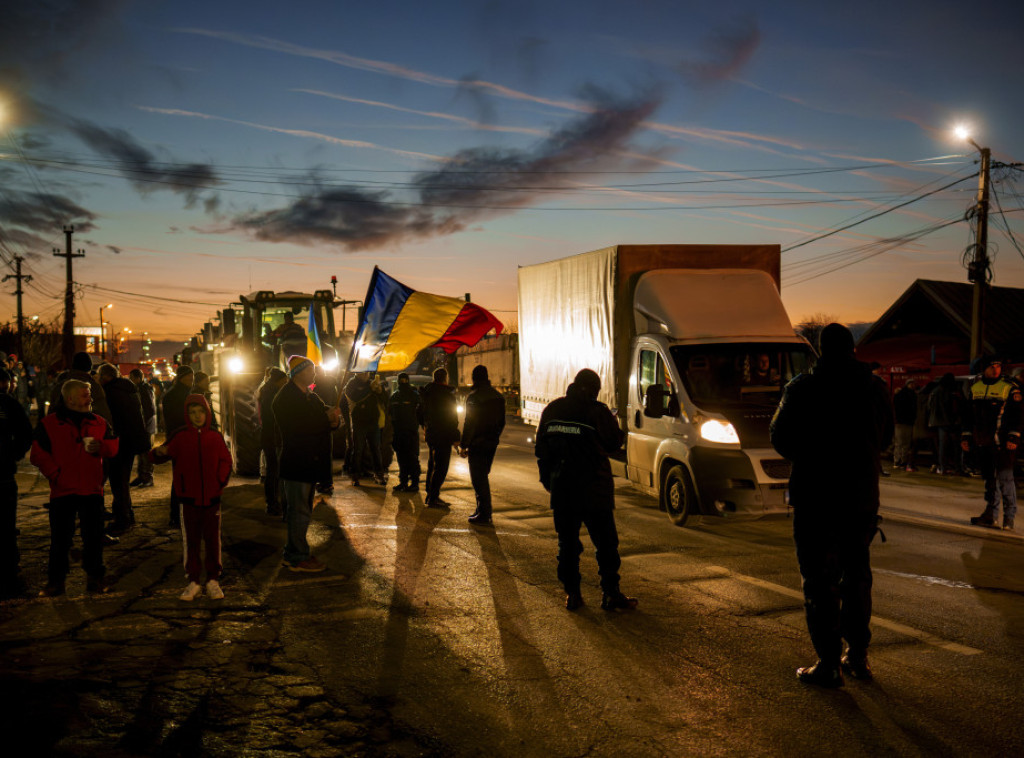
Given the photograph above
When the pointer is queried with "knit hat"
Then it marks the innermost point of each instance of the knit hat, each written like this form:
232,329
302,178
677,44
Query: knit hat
297,364
82,362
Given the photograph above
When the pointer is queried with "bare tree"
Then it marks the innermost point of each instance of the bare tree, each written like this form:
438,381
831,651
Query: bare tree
809,327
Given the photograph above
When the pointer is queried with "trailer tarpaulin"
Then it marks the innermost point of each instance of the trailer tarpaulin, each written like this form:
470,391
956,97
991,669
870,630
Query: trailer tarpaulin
556,342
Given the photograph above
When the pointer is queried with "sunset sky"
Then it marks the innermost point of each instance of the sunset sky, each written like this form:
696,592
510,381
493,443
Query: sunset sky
208,149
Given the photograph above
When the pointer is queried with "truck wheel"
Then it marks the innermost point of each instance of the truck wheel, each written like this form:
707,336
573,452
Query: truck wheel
245,436
679,496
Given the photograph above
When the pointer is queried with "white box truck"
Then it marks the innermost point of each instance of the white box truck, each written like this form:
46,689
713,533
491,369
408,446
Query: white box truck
693,346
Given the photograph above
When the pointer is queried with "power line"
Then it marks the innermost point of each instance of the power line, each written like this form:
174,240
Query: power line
876,215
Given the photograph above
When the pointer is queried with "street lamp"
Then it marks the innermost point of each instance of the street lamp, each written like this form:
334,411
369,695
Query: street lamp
978,270
103,308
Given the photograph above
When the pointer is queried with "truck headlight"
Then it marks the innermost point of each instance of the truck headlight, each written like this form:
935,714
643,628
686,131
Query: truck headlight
235,365
330,364
714,430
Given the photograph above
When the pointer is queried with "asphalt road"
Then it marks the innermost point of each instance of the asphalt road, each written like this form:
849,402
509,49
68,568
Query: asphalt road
431,637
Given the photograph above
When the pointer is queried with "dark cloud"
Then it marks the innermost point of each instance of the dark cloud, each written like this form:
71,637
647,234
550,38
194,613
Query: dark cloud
43,212
28,220
467,189
140,166
725,53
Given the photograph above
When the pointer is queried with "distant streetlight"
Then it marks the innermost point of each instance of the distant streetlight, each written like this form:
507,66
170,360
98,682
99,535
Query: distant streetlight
978,271
103,308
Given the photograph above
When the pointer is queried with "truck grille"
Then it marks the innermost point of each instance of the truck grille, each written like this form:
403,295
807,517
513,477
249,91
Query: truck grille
777,468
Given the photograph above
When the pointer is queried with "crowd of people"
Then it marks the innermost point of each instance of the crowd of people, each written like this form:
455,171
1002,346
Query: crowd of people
969,428
833,423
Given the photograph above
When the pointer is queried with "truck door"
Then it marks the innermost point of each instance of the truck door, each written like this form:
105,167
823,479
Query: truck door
646,433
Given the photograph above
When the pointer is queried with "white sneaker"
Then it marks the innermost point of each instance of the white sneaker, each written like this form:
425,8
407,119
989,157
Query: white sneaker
213,590
191,592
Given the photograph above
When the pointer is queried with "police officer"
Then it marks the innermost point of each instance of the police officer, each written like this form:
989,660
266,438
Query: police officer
481,432
833,424
993,429
405,406
575,437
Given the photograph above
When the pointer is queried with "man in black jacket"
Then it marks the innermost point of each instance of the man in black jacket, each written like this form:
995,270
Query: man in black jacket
305,425
173,404
574,439
405,407
147,398
15,440
364,415
833,425
265,394
481,432
128,425
440,422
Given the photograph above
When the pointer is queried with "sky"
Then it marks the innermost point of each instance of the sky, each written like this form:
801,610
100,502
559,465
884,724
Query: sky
202,150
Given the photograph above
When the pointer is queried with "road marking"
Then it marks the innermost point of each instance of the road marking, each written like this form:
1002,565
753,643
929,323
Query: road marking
893,626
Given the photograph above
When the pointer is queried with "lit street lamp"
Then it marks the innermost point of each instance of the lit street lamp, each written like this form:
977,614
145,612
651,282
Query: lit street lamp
978,270
108,305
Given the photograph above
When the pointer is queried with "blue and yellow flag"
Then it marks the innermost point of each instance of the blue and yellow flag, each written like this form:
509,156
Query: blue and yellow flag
313,351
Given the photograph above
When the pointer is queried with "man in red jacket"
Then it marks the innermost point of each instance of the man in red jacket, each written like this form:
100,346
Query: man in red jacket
68,447
202,467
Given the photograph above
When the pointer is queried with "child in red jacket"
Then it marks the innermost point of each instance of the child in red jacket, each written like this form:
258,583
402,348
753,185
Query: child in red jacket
202,467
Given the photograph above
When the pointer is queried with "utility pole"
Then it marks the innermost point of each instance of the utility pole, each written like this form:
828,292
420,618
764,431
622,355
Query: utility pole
978,269
19,277
68,342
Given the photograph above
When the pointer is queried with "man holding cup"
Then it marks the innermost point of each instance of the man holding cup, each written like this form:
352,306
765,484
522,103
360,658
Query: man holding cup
68,449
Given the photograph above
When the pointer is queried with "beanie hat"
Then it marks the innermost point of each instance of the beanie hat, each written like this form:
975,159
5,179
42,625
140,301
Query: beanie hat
82,362
835,339
588,381
297,364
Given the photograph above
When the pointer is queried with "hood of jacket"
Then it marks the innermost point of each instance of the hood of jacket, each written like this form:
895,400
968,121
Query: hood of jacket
196,399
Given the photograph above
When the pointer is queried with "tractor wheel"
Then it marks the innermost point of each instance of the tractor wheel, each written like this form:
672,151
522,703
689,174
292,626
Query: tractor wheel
245,435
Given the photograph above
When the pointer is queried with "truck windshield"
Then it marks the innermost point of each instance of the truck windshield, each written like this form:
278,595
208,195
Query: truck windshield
739,374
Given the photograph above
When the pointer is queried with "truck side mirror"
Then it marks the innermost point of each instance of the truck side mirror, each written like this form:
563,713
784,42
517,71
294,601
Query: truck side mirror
654,401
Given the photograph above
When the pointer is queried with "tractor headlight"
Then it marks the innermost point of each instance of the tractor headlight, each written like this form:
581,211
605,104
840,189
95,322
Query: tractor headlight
236,365
714,430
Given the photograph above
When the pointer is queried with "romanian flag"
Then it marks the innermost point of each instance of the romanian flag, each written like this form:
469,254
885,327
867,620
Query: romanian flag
313,351
398,322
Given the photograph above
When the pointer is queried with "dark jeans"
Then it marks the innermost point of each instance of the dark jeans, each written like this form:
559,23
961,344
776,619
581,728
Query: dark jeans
119,474
144,467
480,460
298,511
570,515
364,437
9,555
88,509
438,458
407,451
996,465
835,563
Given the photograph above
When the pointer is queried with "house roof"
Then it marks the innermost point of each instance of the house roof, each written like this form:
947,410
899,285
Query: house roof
930,308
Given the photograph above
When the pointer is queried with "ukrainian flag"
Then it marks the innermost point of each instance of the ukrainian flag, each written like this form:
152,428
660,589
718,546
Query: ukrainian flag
313,351
398,322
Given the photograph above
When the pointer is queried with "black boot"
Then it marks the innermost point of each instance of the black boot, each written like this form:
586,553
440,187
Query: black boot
856,665
616,601
988,518
821,674
573,601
